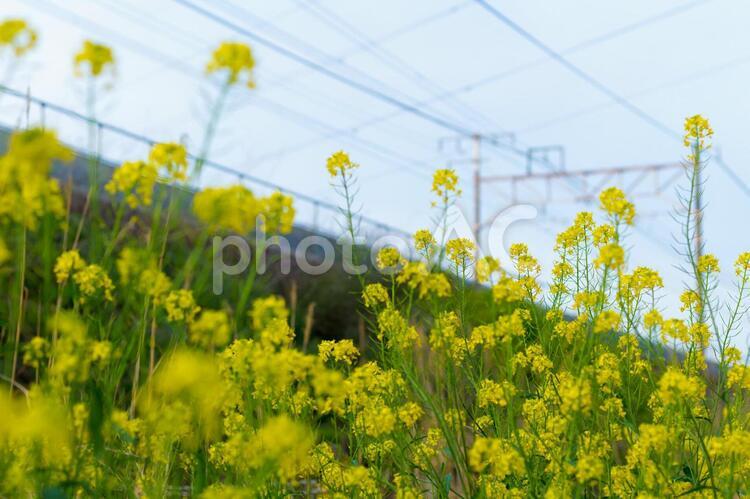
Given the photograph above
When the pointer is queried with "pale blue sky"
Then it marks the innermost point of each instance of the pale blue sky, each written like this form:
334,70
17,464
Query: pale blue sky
669,58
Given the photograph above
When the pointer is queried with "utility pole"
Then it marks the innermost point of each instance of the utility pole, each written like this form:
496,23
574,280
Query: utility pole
461,155
585,185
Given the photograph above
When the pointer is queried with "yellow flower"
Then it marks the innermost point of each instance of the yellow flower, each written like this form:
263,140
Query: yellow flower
460,251
436,284
339,164
135,179
100,351
423,240
394,329
210,329
742,265
377,420
236,60
697,130
17,35
26,190
267,309
691,300
232,208
739,377
71,351
607,321
278,212
172,157
67,264
35,351
341,351
276,334
180,306
614,203
496,457
524,262
674,386
183,401
708,263
445,184
533,358
155,284
492,393
604,234
611,256
95,58
388,257
508,290
374,294
446,336
409,413
91,280
633,285
283,445
485,268
575,395
652,319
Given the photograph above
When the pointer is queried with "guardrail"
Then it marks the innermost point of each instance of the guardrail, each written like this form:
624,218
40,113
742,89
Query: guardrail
73,129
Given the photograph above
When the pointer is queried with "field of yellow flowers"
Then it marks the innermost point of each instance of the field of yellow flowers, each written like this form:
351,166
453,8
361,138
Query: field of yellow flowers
124,376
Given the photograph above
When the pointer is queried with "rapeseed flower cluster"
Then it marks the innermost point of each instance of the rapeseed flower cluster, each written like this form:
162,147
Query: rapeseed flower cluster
149,384
236,61
93,60
17,35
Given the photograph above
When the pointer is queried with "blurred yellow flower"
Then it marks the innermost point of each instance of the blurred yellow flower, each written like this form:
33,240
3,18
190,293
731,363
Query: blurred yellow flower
26,190
17,35
232,208
611,256
172,157
91,281
266,309
67,264
136,180
423,240
278,213
460,251
180,306
210,330
235,60
486,266
93,59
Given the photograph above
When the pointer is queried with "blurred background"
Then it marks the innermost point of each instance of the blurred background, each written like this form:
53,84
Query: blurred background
532,102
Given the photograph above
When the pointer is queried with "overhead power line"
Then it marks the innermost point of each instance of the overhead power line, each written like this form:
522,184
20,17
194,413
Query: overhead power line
374,93
552,54
582,45
345,28
622,101
260,40
143,139
180,66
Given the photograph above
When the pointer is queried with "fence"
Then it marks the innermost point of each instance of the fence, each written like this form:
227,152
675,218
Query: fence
118,143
